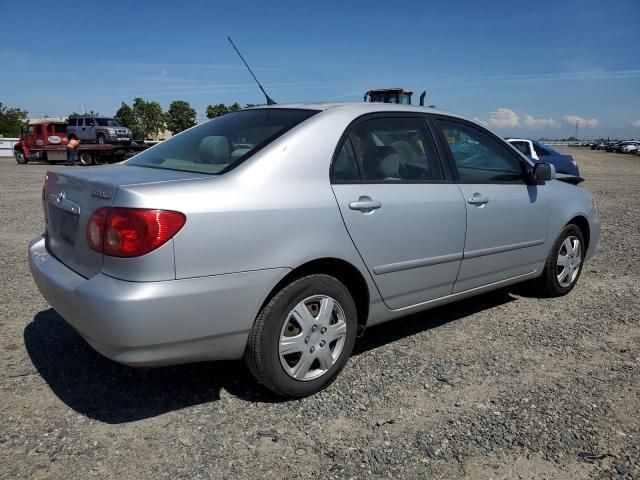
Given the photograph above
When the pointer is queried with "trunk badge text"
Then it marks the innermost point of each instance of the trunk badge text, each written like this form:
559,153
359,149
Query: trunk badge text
101,194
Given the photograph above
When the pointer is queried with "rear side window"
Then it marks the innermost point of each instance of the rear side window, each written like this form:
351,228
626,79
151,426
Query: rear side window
89,122
60,128
73,122
388,149
478,157
218,145
38,130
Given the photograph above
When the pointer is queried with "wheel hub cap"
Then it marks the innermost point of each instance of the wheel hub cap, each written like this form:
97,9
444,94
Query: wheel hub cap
568,261
312,337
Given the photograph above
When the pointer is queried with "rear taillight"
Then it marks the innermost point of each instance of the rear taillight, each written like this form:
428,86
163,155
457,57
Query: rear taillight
131,232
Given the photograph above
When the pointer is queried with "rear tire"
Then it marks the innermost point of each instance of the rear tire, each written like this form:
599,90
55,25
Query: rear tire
564,263
20,157
86,159
303,336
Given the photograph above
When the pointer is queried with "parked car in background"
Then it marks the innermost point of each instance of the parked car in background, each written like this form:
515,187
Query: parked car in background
628,147
612,146
101,130
544,153
327,219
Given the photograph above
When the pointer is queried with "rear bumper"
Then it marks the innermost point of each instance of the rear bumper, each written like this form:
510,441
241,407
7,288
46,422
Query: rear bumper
155,323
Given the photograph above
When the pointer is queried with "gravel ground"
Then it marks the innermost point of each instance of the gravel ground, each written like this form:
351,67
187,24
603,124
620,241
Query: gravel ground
500,386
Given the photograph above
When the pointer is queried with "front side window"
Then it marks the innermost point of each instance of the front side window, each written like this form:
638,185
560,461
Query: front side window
388,149
38,129
59,128
216,146
522,147
478,157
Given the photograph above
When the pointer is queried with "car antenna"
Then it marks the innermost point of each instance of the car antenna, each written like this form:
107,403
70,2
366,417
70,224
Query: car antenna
269,99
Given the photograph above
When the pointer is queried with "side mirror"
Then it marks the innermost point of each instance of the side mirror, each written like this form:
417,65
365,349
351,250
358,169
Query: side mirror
543,172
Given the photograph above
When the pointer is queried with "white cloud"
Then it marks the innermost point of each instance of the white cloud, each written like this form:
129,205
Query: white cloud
583,122
531,121
636,123
503,117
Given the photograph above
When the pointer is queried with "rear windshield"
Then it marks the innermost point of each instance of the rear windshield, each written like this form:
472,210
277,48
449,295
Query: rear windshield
218,145
107,122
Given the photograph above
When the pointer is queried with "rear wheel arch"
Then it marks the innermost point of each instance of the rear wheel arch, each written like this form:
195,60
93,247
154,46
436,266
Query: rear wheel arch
341,270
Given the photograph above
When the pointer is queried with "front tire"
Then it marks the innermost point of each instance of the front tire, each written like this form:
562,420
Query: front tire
303,336
20,157
564,263
101,139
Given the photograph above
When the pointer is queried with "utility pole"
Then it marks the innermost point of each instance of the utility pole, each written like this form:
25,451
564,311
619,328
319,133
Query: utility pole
575,135
82,103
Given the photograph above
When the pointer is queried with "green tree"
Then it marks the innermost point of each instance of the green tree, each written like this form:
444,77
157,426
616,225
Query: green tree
180,116
11,120
148,118
218,110
124,115
235,107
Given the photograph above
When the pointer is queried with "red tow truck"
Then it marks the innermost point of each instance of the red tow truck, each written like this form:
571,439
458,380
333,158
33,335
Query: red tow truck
45,140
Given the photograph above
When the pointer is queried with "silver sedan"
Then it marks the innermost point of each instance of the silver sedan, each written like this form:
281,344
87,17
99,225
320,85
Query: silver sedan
278,234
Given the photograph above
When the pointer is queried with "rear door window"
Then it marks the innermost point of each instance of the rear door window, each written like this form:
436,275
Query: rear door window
89,122
388,149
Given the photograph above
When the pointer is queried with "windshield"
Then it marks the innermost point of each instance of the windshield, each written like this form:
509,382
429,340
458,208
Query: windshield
218,145
107,122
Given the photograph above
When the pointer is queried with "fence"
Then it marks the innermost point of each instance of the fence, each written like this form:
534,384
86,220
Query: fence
6,146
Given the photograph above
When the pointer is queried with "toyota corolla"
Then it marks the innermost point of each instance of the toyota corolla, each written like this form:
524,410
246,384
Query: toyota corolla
279,234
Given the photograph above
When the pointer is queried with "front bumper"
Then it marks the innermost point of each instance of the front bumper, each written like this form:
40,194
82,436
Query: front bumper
155,323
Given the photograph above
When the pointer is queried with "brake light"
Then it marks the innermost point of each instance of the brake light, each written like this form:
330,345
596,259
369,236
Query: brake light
131,232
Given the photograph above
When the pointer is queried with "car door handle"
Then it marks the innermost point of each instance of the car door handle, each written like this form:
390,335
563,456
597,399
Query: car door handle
365,204
478,199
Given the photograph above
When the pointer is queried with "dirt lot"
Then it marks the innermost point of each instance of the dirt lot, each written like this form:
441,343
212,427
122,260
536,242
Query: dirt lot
501,386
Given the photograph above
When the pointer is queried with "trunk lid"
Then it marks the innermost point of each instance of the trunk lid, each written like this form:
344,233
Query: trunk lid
70,197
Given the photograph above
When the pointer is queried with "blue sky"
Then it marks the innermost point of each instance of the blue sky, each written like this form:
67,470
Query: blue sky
524,68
